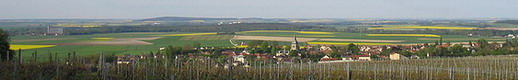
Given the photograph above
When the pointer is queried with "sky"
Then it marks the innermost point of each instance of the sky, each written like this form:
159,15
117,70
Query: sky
139,9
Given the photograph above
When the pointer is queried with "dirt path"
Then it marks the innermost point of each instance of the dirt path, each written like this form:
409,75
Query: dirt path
501,28
231,40
360,40
269,38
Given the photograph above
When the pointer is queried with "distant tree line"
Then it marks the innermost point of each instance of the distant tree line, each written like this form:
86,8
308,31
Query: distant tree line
190,28
508,21
26,31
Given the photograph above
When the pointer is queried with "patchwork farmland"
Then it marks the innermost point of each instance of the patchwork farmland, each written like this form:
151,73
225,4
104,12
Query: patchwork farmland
135,43
258,40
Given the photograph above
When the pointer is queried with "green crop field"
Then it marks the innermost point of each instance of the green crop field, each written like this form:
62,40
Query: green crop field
65,44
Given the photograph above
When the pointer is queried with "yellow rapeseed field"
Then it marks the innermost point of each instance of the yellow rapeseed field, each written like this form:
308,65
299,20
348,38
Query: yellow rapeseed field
302,32
409,35
189,34
311,32
269,31
243,46
25,47
316,36
342,43
424,27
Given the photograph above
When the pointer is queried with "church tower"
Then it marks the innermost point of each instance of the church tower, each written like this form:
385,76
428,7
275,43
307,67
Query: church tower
295,43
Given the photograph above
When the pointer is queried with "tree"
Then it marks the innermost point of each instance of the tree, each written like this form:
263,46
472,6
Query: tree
458,51
293,53
353,48
273,50
440,40
197,44
110,58
386,51
315,57
483,43
335,54
187,49
5,52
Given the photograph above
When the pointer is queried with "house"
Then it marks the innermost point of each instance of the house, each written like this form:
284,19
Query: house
155,56
206,53
239,58
347,58
282,53
510,36
308,47
229,53
470,35
126,59
327,58
262,56
364,57
325,48
282,59
395,56
244,52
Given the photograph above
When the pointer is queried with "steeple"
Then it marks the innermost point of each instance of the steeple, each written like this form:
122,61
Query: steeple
295,43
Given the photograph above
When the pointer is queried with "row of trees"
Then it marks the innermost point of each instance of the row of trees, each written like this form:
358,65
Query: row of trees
508,22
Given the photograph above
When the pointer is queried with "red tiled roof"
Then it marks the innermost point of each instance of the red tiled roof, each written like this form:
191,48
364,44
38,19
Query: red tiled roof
364,55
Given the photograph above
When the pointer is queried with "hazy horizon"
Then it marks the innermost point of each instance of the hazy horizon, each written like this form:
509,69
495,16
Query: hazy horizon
348,9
